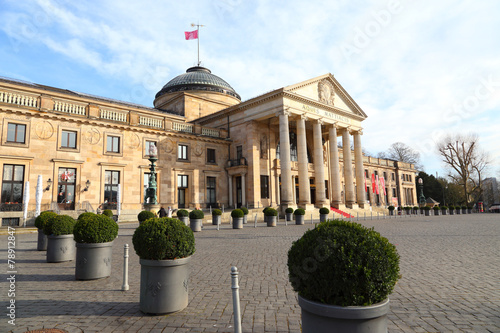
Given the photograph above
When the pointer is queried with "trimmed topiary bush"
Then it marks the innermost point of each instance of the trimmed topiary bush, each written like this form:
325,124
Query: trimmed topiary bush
163,238
265,209
59,225
145,215
182,213
407,208
196,214
324,210
451,207
216,212
93,228
343,263
444,208
108,212
299,211
237,213
42,219
271,212
289,210
245,210
435,208
391,208
427,208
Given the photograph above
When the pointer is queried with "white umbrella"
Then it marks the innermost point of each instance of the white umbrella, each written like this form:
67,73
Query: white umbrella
26,199
118,199
39,193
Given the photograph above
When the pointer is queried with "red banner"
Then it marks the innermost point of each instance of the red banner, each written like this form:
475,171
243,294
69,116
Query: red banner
191,34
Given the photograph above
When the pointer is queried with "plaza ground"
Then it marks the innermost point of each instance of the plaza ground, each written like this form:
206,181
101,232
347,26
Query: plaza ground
449,265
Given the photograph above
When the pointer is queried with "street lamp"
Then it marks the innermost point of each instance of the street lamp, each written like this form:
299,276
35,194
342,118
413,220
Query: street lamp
421,199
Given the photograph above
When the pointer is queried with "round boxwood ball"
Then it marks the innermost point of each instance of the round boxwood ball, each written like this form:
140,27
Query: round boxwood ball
245,210
271,212
289,210
59,225
108,212
93,228
144,215
216,212
182,213
324,210
343,263
196,214
42,219
237,213
299,211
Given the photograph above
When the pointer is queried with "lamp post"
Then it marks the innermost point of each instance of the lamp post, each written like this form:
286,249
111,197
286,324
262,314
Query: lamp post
421,199
151,201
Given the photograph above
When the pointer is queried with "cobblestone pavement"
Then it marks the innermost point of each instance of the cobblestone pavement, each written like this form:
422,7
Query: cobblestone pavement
449,264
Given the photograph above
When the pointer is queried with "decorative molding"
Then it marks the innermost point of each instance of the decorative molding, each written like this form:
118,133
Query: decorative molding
44,130
59,160
112,164
10,157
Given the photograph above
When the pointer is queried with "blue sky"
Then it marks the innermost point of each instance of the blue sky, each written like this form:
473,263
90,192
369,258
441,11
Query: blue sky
419,69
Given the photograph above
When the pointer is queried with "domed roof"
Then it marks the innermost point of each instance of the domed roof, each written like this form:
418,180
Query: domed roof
198,78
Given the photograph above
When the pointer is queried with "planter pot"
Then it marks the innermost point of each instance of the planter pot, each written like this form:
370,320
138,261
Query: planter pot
289,216
322,318
164,285
237,222
299,219
195,224
436,212
427,212
443,212
216,219
391,212
408,212
464,210
184,219
93,261
271,221
452,212
323,217
266,218
42,241
458,211
60,248
469,210
245,219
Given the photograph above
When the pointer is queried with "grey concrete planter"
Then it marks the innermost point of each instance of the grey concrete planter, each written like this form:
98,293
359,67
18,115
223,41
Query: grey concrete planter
266,218
237,222
216,219
42,241
443,211
245,221
93,261
322,318
195,224
391,213
436,212
289,216
464,210
427,213
184,219
271,221
299,219
469,210
60,248
164,285
323,217
452,212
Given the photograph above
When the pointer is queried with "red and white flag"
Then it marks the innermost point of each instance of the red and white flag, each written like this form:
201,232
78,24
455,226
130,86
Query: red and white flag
376,185
373,183
382,182
191,34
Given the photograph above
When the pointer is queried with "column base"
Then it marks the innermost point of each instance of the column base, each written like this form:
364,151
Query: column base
284,206
362,205
325,203
306,206
352,205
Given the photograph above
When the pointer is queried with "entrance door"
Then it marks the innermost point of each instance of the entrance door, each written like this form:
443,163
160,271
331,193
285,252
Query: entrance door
312,186
66,189
238,192
182,186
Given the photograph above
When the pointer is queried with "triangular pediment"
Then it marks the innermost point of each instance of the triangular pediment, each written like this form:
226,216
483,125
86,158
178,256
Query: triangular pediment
326,90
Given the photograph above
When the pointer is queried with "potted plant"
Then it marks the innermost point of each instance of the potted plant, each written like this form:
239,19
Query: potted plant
144,215
391,210
40,222
323,214
216,216
458,210
464,209
289,213
427,210
237,215
469,209
415,210
183,216
272,217
407,210
196,220
94,235
164,246
443,210
245,214
264,211
61,245
322,264
451,209
436,210
299,215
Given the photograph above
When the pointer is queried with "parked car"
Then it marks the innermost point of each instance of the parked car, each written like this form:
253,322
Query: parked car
495,208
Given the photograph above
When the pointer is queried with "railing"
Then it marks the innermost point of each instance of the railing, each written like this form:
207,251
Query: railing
237,162
210,132
151,122
182,127
113,115
86,206
69,108
13,98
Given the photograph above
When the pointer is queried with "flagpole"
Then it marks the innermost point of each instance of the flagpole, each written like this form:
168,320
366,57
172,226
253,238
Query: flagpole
198,33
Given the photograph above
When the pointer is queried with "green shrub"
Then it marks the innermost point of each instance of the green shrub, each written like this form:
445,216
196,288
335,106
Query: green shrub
343,263
407,208
289,210
435,208
42,219
196,214
391,208
299,211
415,207
59,225
245,210
216,212
444,208
464,207
237,213
324,210
265,209
271,212
108,212
145,215
182,213
163,238
427,208
93,228
451,207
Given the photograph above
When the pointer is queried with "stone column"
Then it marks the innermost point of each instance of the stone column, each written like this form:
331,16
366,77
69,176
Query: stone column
230,187
243,190
335,181
285,163
304,186
348,174
358,160
319,168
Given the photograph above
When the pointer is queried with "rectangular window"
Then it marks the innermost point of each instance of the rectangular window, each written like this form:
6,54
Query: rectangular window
210,155
147,175
147,147
211,186
386,196
264,187
66,188
113,144
12,187
366,173
393,177
16,133
385,175
409,178
376,173
368,193
182,152
239,152
182,185
394,193
68,139
111,181
182,181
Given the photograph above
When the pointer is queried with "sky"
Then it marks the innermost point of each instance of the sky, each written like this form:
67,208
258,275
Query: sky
419,69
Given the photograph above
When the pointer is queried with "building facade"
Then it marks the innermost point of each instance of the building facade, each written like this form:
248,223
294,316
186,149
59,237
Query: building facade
278,149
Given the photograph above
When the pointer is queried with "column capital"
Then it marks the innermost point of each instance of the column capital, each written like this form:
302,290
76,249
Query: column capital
357,131
284,112
320,121
335,125
304,116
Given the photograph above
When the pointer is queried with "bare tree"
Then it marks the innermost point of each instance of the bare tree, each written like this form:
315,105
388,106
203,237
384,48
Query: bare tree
466,161
401,152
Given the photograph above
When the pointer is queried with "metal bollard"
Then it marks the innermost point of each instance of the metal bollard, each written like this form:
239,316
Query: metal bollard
210,209
236,299
255,221
311,218
125,267
286,221
223,208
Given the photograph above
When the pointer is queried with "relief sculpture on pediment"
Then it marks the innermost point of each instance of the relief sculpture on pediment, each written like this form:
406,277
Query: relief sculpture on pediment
326,92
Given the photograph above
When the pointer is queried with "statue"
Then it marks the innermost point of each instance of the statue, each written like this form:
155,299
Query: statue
153,151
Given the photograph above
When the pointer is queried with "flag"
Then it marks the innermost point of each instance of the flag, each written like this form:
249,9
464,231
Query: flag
376,184
373,183
191,34
382,182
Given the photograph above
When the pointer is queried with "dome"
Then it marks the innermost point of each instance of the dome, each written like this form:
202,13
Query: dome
198,78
